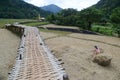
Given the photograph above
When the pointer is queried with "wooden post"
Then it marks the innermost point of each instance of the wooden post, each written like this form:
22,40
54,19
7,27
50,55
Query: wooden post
20,57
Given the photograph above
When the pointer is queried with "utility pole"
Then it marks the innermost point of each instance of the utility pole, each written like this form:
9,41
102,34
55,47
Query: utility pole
39,17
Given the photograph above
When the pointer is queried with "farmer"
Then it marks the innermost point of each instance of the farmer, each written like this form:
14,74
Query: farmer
97,50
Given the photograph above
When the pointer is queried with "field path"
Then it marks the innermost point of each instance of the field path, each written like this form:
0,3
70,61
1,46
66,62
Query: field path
35,62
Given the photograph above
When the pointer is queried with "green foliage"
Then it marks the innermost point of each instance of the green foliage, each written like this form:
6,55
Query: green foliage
115,18
81,24
89,16
103,29
10,21
72,17
107,6
68,12
65,17
19,9
36,23
99,13
117,29
51,18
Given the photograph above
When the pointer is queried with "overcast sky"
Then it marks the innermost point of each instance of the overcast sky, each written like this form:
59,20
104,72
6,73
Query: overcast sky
76,4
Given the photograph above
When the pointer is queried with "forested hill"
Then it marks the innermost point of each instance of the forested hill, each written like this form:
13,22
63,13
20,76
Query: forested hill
19,9
107,5
102,12
52,8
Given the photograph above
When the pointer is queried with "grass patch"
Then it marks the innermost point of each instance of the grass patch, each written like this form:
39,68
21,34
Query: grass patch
36,23
10,21
60,33
103,29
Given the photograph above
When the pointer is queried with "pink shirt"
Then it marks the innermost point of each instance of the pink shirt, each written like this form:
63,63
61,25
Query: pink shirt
97,50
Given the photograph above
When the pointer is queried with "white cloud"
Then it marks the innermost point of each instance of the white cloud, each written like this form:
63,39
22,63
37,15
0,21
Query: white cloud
36,2
77,4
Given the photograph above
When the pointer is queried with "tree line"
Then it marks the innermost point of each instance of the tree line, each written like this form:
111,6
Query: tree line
85,18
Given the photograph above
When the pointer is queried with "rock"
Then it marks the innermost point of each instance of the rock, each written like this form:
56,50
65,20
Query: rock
40,43
65,77
102,59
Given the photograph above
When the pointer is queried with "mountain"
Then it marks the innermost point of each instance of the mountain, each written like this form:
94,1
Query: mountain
107,6
52,8
20,9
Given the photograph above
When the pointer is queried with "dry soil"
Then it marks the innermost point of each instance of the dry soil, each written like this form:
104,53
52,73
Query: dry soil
76,51
8,50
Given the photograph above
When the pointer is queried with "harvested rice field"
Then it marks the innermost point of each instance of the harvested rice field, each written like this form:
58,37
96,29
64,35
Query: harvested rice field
8,51
76,50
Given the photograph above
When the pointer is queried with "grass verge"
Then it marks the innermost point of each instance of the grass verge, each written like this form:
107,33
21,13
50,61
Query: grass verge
10,21
36,23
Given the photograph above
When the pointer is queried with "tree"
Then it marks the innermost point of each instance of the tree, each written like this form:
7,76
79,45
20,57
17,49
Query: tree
89,16
65,17
115,18
68,12
51,18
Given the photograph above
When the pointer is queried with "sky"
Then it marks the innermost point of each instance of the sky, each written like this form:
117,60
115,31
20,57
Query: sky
76,4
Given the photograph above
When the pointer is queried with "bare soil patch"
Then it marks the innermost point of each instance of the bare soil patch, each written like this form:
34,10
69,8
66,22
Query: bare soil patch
57,26
8,50
76,52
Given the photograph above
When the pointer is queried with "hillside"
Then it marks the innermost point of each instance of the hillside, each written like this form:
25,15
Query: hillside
52,8
19,9
107,5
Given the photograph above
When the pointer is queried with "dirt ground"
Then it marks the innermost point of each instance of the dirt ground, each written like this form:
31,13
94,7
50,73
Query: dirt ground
8,50
56,26
76,51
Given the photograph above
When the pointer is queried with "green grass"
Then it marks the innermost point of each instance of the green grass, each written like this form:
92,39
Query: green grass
60,33
36,23
10,21
106,30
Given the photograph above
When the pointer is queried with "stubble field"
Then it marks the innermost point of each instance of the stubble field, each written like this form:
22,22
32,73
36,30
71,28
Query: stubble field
8,51
76,51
